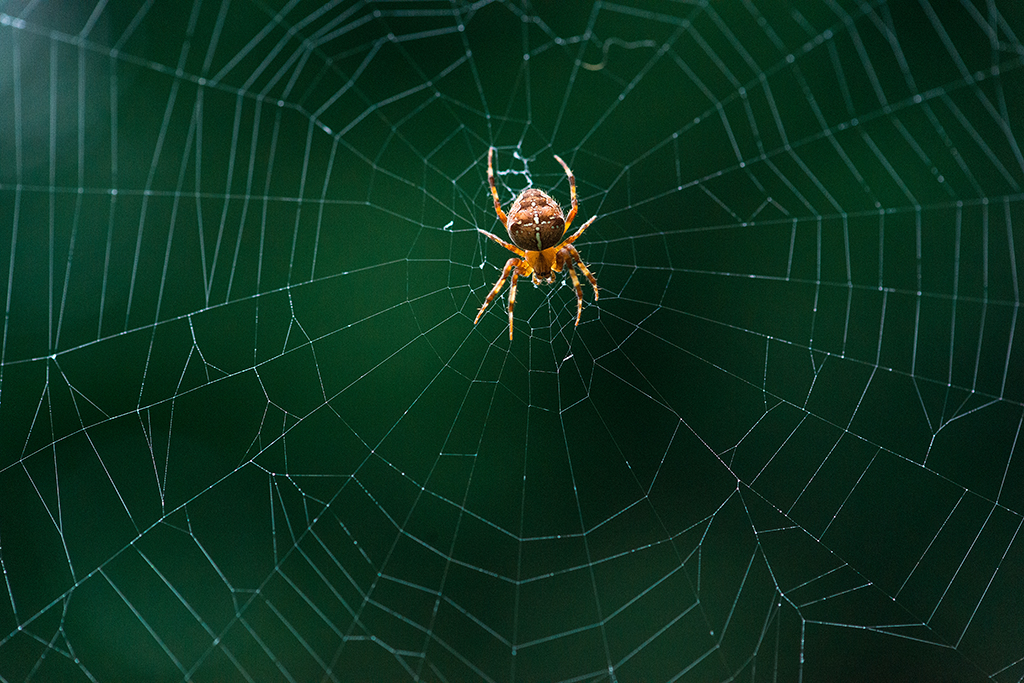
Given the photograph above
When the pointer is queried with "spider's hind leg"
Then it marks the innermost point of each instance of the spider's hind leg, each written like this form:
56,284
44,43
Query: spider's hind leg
494,190
572,192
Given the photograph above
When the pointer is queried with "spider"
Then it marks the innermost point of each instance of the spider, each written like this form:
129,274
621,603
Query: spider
536,224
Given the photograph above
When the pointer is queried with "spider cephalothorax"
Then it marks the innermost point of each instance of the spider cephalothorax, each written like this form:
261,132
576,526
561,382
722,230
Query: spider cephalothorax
536,224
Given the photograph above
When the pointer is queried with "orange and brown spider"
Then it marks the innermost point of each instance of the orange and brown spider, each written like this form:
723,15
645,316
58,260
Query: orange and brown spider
536,225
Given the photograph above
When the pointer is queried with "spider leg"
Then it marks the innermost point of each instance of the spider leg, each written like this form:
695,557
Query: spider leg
494,190
570,240
512,299
579,293
572,192
569,257
510,267
511,247
590,276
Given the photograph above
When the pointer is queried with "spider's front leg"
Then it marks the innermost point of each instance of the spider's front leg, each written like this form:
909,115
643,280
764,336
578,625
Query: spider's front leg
509,267
568,257
512,297
515,267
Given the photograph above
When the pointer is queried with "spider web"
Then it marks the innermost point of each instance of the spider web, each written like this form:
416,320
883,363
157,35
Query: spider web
248,430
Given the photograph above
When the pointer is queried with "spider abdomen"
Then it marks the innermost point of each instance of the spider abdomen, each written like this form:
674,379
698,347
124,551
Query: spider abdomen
535,221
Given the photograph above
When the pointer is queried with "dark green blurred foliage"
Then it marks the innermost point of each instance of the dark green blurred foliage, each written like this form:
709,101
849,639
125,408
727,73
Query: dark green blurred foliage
249,431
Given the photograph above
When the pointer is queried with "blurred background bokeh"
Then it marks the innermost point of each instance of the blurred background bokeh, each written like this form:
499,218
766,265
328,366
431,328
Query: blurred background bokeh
249,431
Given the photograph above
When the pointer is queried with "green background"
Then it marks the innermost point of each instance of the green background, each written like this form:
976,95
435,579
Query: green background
248,429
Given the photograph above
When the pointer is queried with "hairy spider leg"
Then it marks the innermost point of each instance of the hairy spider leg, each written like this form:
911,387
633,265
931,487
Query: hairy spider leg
512,293
576,235
586,271
511,247
576,260
494,190
572,192
566,256
579,293
510,267
561,256
569,258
